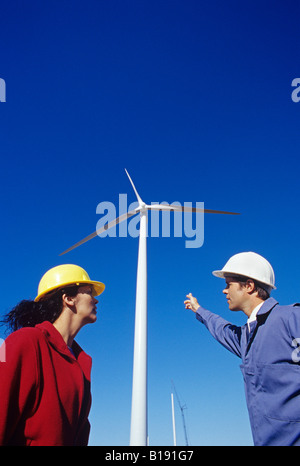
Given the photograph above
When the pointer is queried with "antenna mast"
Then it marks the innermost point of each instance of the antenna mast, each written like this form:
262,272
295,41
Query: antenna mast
182,408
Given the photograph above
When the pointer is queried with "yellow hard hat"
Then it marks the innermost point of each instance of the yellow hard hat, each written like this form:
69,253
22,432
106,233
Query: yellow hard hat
63,275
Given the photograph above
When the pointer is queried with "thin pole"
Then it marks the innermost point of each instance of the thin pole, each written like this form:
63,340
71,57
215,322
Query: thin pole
173,420
139,422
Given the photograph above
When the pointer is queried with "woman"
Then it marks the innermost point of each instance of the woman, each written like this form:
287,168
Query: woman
45,381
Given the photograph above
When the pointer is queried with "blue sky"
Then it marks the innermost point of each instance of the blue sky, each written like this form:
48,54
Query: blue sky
194,99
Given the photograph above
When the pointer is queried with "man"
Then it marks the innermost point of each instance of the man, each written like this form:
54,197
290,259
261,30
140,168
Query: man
268,344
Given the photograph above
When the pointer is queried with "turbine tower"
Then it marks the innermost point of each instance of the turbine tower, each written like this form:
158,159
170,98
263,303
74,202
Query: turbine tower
139,423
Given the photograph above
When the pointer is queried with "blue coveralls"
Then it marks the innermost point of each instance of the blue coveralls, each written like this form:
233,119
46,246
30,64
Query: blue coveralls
271,368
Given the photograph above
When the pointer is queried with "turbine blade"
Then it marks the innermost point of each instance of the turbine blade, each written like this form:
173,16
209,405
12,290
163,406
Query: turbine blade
208,211
177,208
101,230
134,188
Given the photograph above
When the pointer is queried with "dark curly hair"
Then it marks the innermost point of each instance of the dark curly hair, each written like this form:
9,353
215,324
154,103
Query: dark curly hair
29,313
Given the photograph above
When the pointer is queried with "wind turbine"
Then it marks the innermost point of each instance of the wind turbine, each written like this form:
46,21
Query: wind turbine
182,407
139,423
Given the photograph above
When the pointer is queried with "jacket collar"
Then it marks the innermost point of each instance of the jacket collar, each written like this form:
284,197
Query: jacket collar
54,338
267,306
57,342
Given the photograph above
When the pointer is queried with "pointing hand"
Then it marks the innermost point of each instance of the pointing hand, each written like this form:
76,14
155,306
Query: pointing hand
191,303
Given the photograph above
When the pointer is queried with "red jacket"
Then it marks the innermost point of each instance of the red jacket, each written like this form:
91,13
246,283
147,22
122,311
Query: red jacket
44,390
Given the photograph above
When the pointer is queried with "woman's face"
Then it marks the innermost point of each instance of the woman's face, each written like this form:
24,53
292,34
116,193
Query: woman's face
85,304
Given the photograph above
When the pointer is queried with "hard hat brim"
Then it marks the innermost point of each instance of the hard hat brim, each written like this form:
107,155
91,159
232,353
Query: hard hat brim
224,273
98,287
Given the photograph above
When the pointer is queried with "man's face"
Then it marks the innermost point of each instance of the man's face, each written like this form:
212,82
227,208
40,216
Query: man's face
235,294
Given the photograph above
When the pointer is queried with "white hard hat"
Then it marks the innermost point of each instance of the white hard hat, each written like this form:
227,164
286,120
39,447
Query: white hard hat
251,265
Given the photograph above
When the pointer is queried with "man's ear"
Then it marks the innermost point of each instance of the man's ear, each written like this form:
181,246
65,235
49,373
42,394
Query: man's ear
250,286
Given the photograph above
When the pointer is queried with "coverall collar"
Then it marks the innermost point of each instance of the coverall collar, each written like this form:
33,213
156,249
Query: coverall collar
266,307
